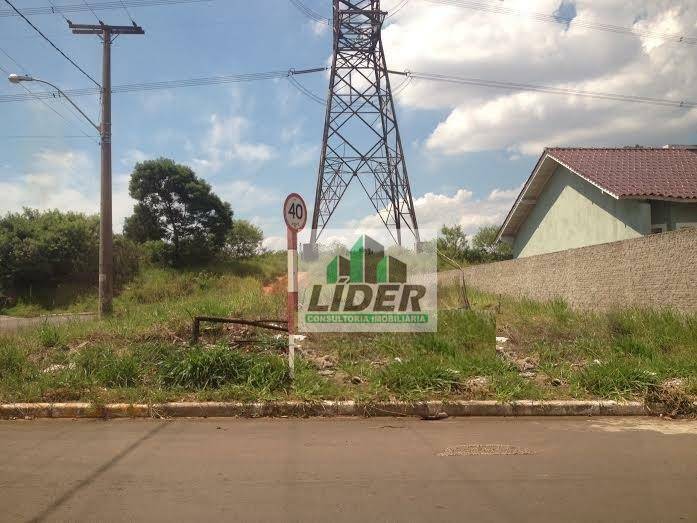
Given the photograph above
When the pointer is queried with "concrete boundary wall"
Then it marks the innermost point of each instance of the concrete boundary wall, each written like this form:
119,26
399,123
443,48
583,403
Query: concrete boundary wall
656,271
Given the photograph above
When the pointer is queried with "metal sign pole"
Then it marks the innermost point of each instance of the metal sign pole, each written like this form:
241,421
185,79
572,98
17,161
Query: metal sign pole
292,296
295,215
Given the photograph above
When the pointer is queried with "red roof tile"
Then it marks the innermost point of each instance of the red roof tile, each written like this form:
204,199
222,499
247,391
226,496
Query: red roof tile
635,172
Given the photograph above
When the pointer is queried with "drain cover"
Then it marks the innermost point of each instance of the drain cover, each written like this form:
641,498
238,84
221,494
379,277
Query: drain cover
486,450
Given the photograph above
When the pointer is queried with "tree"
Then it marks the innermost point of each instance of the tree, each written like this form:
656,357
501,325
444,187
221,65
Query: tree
176,206
485,242
244,239
453,242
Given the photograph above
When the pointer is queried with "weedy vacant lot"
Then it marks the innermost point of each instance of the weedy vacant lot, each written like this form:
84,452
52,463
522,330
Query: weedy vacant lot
144,353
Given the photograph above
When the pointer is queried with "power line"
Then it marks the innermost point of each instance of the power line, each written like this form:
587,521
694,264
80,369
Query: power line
310,13
558,18
272,75
397,8
52,44
127,11
91,10
44,137
172,84
54,8
33,96
95,6
512,86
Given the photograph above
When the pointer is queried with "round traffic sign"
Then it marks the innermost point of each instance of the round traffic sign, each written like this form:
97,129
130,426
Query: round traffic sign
295,212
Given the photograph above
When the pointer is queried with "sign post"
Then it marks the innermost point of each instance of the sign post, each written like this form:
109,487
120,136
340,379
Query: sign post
295,215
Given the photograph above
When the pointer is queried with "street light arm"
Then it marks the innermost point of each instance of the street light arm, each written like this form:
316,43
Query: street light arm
99,129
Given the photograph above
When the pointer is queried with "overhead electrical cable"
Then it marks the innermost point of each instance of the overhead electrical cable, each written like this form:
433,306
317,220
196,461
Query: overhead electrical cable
559,18
52,44
55,9
91,10
310,13
128,13
273,75
33,96
94,6
512,86
171,84
397,8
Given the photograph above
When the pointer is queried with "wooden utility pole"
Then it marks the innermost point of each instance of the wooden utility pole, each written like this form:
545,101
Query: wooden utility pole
106,233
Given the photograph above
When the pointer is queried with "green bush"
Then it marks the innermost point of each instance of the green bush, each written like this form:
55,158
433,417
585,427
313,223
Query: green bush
41,250
38,248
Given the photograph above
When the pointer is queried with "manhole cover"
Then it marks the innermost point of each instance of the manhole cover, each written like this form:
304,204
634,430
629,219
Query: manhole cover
486,450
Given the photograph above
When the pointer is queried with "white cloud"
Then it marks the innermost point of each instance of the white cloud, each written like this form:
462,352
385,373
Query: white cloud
319,28
477,44
134,156
226,142
304,155
245,196
64,180
275,243
435,210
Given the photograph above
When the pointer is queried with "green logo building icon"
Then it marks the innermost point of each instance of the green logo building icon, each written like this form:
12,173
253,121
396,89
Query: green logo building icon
367,264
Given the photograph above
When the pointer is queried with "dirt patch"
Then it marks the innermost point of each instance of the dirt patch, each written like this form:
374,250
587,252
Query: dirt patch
670,399
278,286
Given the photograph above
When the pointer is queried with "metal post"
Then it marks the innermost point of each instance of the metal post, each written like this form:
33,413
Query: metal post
106,237
292,297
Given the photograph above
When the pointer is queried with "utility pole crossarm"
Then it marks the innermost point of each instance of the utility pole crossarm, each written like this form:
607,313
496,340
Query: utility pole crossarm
91,29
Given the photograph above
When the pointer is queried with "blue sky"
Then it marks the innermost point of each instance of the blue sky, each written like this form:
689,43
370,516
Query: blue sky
468,149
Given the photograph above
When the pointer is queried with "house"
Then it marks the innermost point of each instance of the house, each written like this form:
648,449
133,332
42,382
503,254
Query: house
577,197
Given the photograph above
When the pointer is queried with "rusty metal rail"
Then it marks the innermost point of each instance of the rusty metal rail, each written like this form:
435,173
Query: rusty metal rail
274,325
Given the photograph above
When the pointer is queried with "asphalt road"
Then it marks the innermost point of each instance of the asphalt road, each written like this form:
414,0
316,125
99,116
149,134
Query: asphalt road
12,324
349,470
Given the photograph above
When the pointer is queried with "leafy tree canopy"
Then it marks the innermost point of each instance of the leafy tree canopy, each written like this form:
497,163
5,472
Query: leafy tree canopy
244,239
176,206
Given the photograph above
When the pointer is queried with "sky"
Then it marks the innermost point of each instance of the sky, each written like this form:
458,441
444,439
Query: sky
468,149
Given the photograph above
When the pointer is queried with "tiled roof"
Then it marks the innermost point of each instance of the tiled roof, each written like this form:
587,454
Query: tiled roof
635,172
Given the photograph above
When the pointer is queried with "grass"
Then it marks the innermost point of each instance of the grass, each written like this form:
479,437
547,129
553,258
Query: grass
142,353
620,354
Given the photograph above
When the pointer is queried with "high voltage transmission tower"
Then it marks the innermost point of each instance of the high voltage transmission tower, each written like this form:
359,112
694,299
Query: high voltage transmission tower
361,135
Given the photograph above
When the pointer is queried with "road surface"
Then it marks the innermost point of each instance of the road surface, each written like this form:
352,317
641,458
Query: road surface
12,324
349,470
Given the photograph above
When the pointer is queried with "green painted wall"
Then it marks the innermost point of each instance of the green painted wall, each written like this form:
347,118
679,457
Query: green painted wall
572,213
672,213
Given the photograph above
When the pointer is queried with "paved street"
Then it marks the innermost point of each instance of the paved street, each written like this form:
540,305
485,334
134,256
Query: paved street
349,470
11,324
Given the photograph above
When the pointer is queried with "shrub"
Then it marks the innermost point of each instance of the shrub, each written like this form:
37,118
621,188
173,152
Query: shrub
44,249
37,248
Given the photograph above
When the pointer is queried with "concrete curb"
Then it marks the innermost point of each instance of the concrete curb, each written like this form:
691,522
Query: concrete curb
323,409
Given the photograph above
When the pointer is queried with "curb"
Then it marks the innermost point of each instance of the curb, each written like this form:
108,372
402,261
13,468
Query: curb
322,409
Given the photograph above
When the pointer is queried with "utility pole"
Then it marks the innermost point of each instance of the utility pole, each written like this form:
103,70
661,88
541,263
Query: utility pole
106,233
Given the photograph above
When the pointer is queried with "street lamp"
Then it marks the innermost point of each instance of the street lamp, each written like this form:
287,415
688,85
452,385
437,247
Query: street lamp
106,235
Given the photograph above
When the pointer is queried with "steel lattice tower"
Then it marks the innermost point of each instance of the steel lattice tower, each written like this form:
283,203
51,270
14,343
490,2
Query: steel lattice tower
361,136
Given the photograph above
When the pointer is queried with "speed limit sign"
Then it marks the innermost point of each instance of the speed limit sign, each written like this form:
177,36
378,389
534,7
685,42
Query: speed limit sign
295,212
